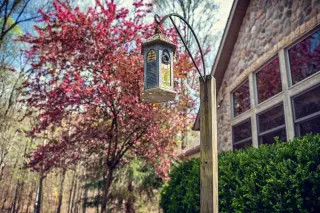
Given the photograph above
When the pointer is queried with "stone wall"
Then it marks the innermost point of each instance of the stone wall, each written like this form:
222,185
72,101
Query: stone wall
268,26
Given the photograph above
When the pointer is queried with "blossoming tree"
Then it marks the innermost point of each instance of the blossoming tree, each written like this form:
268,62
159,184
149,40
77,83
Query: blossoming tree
85,86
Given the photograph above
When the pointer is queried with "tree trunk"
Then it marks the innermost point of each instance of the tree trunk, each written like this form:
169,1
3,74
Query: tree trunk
30,198
21,202
2,168
77,197
38,202
131,199
73,201
98,198
70,194
6,197
85,199
61,191
20,196
14,201
105,192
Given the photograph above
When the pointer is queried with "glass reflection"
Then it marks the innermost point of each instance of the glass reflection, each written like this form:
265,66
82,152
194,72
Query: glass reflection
271,119
269,138
241,99
307,103
310,127
243,145
242,131
268,80
305,57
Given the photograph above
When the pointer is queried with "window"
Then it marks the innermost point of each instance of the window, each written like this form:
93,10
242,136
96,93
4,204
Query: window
242,137
306,109
271,124
268,80
241,99
270,95
305,57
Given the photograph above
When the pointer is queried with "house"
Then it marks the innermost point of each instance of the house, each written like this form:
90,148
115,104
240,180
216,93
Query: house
267,73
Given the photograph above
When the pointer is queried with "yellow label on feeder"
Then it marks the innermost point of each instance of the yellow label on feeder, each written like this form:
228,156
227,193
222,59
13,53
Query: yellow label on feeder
151,56
165,75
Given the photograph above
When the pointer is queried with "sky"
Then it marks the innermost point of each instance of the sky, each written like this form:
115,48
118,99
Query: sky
223,13
217,31
218,27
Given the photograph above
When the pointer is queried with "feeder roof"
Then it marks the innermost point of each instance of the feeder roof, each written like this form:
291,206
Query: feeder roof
158,38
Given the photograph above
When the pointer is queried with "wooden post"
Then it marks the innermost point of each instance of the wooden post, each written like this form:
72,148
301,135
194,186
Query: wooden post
208,147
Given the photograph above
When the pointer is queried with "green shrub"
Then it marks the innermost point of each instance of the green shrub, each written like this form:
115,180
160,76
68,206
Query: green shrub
182,192
283,177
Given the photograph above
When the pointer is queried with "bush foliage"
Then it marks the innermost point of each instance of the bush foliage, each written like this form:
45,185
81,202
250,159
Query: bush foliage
283,177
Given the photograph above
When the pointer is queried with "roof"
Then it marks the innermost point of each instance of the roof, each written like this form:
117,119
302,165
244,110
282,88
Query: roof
158,38
190,151
229,38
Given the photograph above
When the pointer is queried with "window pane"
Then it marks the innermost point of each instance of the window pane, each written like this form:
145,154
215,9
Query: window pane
271,119
307,103
241,131
241,99
310,126
269,81
305,57
243,145
269,138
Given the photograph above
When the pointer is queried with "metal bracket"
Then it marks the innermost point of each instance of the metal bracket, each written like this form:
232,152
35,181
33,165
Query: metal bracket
160,21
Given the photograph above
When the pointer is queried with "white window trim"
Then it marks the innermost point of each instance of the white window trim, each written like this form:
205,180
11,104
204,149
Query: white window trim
232,101
253,95
285,97
243,140
287,105
277,128
307,117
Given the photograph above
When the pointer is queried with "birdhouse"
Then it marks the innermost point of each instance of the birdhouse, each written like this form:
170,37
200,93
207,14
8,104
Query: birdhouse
158,54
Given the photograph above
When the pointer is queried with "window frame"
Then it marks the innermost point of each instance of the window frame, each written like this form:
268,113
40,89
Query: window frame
282,126
255,81
285,97
297,122
287,58
232,99
243,140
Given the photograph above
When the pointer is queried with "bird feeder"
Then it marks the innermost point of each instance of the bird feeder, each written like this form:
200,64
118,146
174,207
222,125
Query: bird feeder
158,54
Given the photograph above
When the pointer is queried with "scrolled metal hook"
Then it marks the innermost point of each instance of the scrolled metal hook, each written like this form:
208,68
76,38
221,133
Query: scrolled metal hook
157,19
160,21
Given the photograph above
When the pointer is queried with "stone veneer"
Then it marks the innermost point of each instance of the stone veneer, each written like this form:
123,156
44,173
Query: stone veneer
268,26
